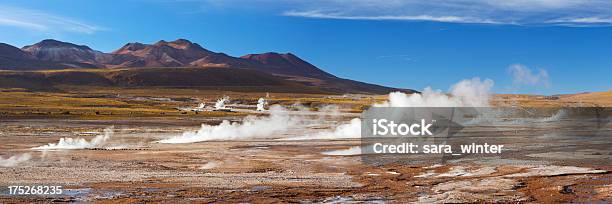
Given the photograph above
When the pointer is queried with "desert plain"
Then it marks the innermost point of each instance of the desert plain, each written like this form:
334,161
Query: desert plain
133,167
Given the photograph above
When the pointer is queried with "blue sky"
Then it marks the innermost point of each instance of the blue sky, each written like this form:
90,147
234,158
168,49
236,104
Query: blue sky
535,46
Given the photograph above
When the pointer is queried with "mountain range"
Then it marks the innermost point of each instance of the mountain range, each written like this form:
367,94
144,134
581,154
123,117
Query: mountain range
53,55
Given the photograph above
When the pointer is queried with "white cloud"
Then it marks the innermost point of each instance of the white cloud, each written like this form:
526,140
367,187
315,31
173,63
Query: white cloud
515,12
537,4
505,12
583,21
522,75
43,22
447,19
402,57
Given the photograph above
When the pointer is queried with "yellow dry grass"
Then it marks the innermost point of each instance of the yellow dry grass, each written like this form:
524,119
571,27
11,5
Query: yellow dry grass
111,103
594,99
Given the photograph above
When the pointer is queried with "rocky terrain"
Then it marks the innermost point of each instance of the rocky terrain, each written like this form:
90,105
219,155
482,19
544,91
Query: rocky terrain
132,168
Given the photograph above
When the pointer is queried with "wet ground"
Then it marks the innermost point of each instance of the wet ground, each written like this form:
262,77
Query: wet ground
536,166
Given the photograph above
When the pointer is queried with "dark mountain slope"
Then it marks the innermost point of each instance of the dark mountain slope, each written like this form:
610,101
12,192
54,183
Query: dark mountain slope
181,58
287,64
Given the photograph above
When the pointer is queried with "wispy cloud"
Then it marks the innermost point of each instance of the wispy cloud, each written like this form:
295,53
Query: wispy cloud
402,57
490,12
522,75
583,21
514,12
447,19
41,21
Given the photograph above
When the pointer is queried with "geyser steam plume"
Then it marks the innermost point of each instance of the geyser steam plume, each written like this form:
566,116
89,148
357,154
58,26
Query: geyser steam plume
14,160
279,121
466,93
473,92
344,131
201,106
79,143
220,104
261,103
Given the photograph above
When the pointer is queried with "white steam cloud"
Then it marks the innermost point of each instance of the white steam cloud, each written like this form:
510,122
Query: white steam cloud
220,104
79,143
14,160
201,106
470,92
522,75
279,121
261,103
344,131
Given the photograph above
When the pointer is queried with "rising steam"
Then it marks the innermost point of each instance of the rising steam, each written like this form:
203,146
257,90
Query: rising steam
14,160
559,115
344,131
279,121
220,104
201,106
472,92
261,103
79,143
